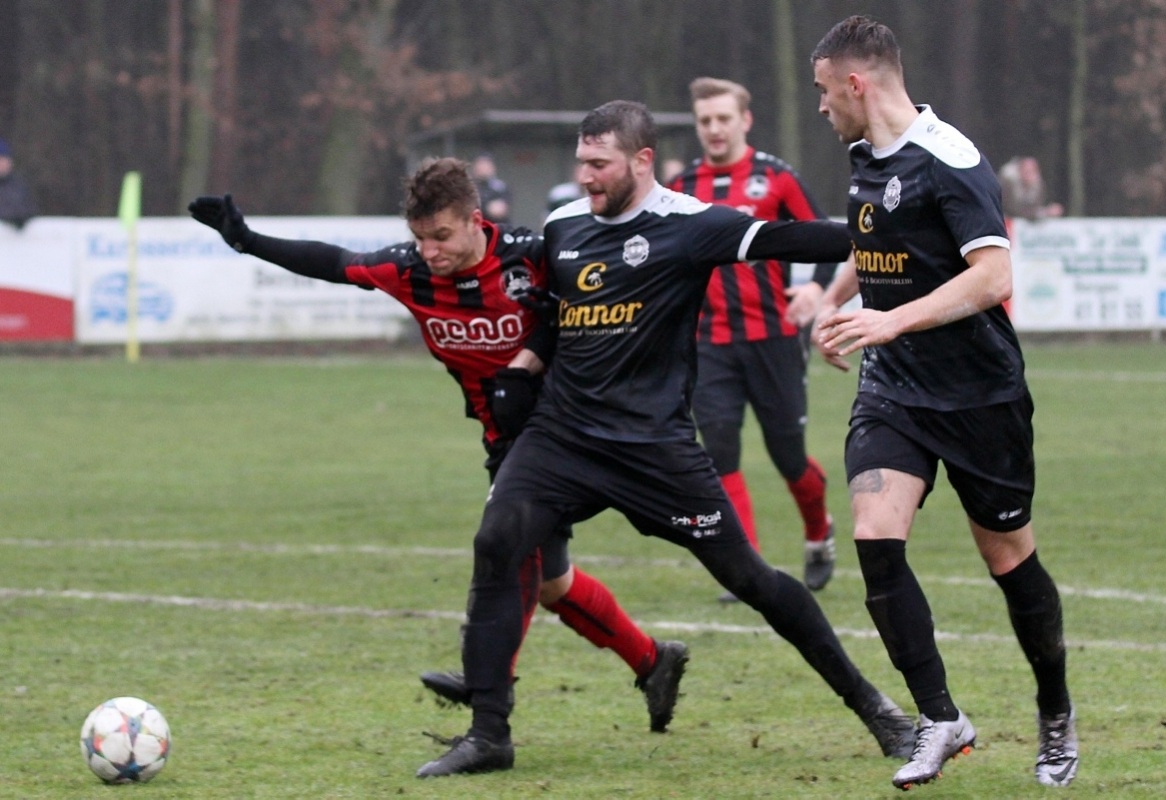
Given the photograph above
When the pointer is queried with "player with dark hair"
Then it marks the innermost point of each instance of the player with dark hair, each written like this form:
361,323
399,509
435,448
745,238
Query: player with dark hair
942,379
612,428
461,279
749,349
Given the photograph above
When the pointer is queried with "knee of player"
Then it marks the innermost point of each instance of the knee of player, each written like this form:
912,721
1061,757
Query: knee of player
505,526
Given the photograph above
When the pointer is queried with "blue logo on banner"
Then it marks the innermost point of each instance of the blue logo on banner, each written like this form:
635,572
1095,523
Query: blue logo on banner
1162,304
109,299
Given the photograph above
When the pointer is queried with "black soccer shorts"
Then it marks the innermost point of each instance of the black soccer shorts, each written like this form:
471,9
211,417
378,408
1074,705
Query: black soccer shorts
770,375
987,452
665,489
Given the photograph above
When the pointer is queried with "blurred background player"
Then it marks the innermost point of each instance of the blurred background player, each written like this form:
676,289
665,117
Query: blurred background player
463,272
749,347
493,192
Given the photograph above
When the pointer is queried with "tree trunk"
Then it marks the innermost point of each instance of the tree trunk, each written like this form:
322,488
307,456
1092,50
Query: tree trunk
196,148
346,149
174,48
225,101
787,79
1075,140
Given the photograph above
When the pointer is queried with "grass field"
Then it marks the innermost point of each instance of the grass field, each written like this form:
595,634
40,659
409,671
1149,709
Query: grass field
270,550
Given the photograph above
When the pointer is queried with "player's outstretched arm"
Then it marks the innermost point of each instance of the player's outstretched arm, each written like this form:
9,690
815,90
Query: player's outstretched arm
809,241
325,262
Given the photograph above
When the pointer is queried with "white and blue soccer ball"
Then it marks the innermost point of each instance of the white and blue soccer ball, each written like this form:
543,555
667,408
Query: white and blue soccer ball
125,740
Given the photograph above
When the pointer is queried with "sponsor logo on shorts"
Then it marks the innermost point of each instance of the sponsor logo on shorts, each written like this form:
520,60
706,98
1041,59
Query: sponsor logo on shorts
702,525
1013,514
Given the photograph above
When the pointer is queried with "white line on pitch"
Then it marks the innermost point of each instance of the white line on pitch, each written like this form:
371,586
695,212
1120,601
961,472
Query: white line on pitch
215,604
682,560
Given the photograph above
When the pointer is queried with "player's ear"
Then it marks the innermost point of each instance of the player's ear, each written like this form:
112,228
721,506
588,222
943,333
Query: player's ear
644,161
856,84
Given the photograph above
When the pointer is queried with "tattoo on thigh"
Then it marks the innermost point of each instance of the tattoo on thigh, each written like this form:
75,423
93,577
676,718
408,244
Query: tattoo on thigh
869,482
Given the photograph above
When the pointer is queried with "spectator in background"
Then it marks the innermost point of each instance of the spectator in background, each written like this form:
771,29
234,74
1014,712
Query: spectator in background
16,206
492,190
1023,190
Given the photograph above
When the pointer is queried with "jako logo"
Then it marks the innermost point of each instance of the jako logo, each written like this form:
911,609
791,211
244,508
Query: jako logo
479,330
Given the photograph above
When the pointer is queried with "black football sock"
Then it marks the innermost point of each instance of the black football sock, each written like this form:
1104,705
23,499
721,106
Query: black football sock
488,649
1034,606
902,617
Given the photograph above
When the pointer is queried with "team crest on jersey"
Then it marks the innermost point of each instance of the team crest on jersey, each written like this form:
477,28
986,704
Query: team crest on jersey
515,282
635,251
892,194
756,187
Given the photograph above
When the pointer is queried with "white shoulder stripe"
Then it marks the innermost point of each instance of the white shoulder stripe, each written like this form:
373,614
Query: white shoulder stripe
944,141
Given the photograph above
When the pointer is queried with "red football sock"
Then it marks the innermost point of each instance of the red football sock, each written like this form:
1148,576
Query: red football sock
529,579
590,609
738,492
809,493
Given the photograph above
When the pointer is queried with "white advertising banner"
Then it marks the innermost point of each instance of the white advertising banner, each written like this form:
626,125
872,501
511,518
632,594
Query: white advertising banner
1088,274
65,278
193,287
36,280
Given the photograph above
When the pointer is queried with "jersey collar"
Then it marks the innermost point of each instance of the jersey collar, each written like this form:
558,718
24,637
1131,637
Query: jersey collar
652,198
926,117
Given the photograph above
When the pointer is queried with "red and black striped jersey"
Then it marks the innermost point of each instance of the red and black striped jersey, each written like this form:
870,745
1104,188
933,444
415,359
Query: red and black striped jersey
746,301
471,321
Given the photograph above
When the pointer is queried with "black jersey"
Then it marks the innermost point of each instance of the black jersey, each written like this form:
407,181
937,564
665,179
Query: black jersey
916,209
631,289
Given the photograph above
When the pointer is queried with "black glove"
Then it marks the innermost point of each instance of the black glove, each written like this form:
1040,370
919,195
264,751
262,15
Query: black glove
542,302
512,399
221,214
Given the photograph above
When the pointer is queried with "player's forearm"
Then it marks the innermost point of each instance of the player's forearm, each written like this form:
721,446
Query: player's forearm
987,282
842,288
807,242
528,360
318,260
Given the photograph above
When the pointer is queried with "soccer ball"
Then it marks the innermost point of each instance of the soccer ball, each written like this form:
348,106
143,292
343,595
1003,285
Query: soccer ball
125,740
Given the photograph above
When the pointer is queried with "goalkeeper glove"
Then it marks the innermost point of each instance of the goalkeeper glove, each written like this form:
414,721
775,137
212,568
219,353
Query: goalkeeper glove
223,215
